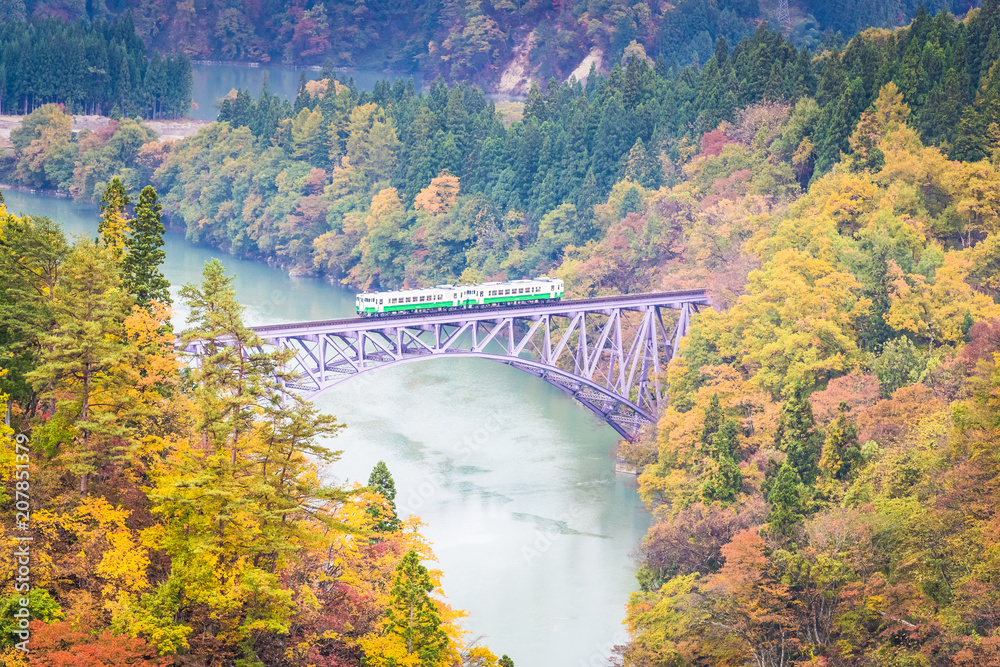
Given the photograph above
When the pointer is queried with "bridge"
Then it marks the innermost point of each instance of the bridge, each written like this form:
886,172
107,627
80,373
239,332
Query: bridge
608,353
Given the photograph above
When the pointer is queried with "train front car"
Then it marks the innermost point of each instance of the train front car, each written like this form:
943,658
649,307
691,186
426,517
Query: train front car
366,304
557,291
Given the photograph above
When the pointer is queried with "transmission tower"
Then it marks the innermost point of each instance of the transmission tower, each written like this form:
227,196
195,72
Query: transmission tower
783,19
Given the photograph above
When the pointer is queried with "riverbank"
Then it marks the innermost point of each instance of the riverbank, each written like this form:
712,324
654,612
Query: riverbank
169,130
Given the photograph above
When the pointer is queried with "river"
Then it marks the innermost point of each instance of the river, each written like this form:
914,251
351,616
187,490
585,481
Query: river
213,81
532,527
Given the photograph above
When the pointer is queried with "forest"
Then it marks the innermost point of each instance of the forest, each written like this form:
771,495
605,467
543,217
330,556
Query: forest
393,188
178,512
824,483
91,68
465,40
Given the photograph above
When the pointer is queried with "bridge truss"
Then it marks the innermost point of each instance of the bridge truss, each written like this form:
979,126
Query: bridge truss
608,353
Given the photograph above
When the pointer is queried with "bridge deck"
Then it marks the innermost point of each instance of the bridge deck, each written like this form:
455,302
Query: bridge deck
661,299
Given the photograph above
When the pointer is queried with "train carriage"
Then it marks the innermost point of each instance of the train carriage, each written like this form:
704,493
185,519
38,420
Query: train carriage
448,297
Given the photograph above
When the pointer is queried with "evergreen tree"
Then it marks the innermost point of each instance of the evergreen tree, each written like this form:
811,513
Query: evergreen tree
235,378
89,307
712,422
841,452
141,267
797,436
412,614
727,440
724,482
381,482
785,501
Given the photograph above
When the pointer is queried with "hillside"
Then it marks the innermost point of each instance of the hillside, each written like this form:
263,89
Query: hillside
470,40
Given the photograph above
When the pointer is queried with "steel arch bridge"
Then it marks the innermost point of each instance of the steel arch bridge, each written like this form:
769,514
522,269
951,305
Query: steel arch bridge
608,353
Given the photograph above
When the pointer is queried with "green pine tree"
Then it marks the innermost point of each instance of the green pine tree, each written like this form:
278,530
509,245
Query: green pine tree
381,482
713,420
234,379
141,266
412,614
797,435
724,482
785,501
89,307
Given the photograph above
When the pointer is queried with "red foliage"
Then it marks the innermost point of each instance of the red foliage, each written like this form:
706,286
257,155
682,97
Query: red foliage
68,644
105,133
713,142
855,389
887,421
693,540
734,187
315,182
984,342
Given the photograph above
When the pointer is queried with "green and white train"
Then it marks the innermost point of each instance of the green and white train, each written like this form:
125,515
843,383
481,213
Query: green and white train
447,297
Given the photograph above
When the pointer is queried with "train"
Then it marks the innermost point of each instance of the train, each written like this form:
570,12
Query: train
448,297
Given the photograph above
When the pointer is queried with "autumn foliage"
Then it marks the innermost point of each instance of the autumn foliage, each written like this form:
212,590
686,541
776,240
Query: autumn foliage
860,364
181,517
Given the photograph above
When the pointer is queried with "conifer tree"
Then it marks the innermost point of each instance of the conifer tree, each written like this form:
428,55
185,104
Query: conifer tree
381,482
712,422
141,266
233,375
841,452
724,482
785,501
89,307
412,614
797,436
114,224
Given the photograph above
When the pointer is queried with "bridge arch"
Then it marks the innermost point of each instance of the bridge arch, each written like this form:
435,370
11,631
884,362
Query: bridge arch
623,415
608,353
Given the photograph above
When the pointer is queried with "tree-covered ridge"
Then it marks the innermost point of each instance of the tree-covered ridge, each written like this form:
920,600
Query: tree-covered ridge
96,68
824,482
469,39
393,187
178,511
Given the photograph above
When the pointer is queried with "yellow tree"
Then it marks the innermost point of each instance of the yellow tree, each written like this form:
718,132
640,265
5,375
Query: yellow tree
114,224
440,194
40,132
978,200
384,249
796,322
